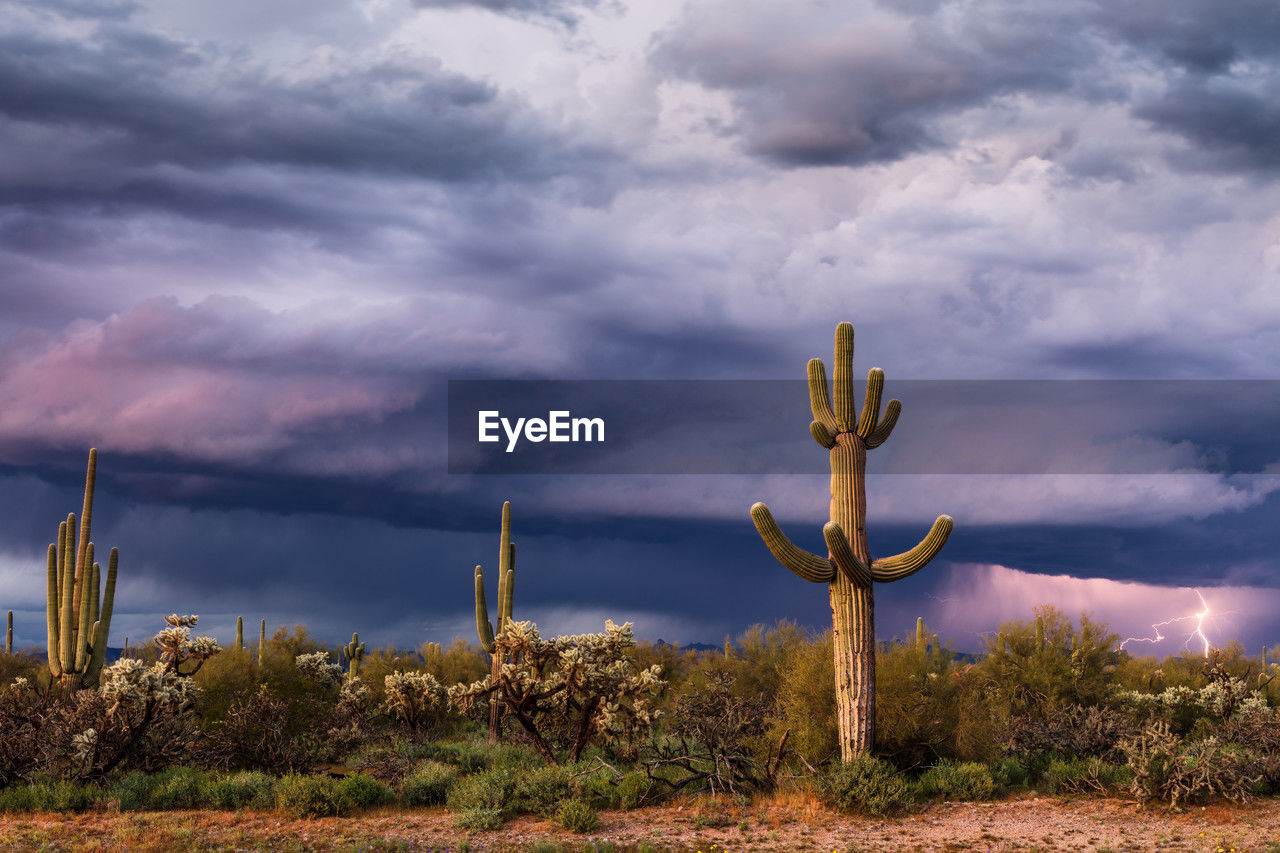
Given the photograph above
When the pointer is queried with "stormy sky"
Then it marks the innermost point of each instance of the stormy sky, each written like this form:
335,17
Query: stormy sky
244,247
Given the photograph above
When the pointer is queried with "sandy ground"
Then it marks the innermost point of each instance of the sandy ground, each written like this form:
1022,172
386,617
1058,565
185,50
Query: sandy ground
775,824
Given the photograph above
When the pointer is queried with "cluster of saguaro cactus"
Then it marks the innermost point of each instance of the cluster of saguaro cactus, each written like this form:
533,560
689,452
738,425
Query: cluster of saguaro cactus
485,628
78,608
354,652
848,570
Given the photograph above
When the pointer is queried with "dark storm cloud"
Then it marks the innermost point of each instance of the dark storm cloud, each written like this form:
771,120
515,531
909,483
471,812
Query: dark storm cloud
145,98
566,12
854,84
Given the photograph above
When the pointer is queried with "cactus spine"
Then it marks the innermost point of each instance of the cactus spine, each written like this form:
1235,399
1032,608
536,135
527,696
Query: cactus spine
239,633
354,651
78,610
485,628
848,570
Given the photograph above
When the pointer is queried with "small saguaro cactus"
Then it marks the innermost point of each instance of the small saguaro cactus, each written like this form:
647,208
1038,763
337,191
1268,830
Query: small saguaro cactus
239,633
8,636
848,570
78,610
922,636
262,641
354,652
485,628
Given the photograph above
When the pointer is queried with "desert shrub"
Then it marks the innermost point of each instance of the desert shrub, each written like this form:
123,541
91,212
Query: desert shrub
1074,730
578,816
917,712
48,796
868,785
610,792
478,819
246,789
1008,772
133,790
951,781
427,784
176,788
540,791
487,790
809,715
310,796
1091,774
360,791
1168,769
259,732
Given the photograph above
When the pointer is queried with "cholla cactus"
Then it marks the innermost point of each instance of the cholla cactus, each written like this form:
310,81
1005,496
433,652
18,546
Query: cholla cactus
417,699
129,684
585,685
178,649
319,669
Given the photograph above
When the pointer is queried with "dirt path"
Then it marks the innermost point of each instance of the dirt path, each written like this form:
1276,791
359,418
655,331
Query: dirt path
779,824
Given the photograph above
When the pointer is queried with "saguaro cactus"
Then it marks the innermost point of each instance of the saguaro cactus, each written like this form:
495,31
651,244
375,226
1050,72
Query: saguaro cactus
354,651
485,628
8,636
848,570
239,633
78,610
262,641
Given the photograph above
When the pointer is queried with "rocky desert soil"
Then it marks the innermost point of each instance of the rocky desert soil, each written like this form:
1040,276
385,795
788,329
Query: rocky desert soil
772,824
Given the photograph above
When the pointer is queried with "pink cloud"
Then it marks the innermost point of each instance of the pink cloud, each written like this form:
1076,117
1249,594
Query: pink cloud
977,597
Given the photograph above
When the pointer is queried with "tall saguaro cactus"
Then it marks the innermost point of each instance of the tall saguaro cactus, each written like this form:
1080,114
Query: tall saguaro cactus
848,570
354,651
485,628
239,633
78,609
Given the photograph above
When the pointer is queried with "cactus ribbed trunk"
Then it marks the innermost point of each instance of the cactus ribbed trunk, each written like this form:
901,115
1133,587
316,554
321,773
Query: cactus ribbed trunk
852,605
495,707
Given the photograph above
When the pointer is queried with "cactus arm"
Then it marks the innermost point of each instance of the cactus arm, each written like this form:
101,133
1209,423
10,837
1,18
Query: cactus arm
871,403
95,601
67,574
821,435
842,555
509,601
899,566
84,558
85,625
843,390
102,628
483,627
880,434
51,612
820,396
811,567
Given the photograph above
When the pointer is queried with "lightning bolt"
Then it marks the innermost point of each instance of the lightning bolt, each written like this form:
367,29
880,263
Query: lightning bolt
1196,634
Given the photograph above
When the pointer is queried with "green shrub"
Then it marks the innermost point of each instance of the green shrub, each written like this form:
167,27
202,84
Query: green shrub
868,785
176,788
133,790
479,819
578,816
540,791
964,781
360,792
309,796
493,790
625,793
1008,773
427,784
48,796
247,789
1088,775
